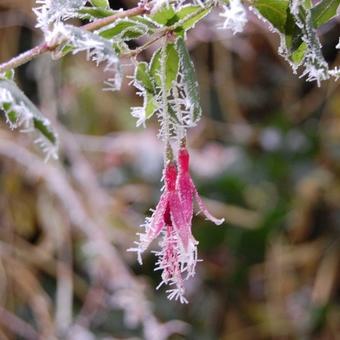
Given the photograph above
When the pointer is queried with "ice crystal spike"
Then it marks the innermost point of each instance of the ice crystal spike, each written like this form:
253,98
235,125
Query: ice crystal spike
50,12
235,16
98,50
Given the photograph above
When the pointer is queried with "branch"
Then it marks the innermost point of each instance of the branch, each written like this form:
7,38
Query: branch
44,47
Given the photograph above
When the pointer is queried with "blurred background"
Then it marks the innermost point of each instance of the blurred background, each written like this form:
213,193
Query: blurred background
266,156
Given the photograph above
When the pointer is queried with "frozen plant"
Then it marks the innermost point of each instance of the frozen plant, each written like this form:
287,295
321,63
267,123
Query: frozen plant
168,86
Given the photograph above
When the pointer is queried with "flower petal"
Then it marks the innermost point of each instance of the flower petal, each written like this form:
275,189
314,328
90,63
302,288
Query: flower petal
178,219
205,211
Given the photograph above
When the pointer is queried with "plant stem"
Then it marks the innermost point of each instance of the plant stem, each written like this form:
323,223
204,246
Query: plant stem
44,47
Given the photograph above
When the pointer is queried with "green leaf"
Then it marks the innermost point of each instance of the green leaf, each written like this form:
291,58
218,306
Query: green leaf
152,26
100,3
143,77
171,65
45,129
275,11
324,11
124,29
40,123
9,75
187,12
298,55
95,12
189,77
149,105
164,15
155,66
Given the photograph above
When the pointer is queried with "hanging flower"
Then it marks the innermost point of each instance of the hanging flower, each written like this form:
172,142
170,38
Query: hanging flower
178,255
172,219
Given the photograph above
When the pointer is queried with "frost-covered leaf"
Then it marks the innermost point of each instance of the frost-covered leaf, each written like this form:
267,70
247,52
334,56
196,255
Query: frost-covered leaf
324,11
20,112
189,77
164,15
189,15
9,75
143,77
100,3
275,11
124,29
171,65
150,105
92,13
186,14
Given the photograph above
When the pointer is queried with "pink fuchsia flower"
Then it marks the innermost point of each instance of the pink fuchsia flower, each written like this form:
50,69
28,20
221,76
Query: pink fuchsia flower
172,219
188,191
178,255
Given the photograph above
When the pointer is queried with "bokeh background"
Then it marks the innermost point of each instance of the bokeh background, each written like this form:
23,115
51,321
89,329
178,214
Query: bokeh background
266,156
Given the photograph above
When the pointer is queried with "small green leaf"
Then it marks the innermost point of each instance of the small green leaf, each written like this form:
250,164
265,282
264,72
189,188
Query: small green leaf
189,77
171,65
324,11
41,123
155,66
45,129
164,15
9,75
95,12
125,30
143,77
298,55
149,105
152,26
12,116
187,12
275,11
100,3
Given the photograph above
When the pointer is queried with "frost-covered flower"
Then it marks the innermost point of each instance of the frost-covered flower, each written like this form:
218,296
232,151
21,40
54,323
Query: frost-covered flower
178,252
235,16
172,218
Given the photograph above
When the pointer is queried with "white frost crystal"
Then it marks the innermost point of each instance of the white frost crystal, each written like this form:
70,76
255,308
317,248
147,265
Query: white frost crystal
338,45
51,12
235,16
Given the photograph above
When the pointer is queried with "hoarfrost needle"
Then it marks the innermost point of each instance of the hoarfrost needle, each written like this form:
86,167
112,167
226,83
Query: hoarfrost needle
235,16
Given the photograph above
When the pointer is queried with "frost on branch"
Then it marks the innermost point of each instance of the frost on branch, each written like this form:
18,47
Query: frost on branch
51,12
98,50
21,113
